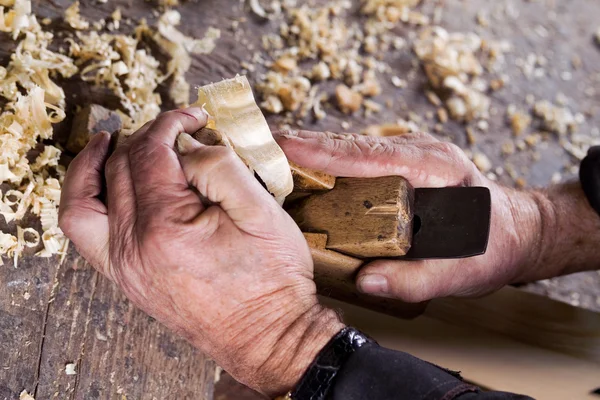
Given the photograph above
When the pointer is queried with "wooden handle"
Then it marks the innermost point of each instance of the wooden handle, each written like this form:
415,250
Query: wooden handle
335,276
362,217
341,209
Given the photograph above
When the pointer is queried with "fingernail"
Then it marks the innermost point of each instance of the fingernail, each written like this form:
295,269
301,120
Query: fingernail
100,136
197,112
373,284
186,144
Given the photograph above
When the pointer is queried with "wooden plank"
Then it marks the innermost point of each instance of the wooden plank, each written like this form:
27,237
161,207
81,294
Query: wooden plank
117,349
485,358
361,217
568,35
24,294
528,318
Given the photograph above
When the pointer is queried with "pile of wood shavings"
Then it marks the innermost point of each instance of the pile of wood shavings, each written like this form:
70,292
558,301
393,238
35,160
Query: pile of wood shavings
120,63
35,102
452,63
317,44
116,62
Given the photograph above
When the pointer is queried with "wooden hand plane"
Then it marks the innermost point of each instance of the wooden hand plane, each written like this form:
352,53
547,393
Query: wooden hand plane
350,221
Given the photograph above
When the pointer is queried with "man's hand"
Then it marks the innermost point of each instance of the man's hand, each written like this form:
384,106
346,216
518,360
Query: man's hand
196,242
524,243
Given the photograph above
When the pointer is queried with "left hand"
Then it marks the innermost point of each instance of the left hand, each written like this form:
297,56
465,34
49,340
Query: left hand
513,253
195,241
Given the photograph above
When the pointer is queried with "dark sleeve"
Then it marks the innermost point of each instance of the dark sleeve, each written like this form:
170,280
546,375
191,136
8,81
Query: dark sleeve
374,372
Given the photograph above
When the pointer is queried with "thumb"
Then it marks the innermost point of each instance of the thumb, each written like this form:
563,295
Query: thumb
82,216
222,178
409,281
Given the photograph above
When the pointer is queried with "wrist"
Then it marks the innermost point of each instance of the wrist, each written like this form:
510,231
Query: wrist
296,349
521,240
566,235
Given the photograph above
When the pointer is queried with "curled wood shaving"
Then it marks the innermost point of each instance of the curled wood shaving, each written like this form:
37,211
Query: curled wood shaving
257,9
8,243
179,47
234,113
451,63
16,19
35,102
25,396
117,62
74,19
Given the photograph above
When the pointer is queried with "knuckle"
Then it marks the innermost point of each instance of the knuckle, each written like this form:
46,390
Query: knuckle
67,220
172,117
449,149
214,156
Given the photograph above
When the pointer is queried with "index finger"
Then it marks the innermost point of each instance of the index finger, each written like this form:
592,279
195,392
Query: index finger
155,166
422,160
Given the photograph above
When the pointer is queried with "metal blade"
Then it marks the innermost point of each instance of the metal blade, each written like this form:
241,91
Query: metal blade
450,223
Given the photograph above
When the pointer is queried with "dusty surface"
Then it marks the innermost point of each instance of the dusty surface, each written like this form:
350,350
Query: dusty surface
72,315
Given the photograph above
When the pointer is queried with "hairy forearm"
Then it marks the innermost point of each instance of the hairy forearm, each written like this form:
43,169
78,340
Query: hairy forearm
567,234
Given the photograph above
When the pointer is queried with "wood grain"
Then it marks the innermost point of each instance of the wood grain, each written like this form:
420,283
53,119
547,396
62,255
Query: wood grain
24,295
361,217
307,180
22,321
74,315
528,318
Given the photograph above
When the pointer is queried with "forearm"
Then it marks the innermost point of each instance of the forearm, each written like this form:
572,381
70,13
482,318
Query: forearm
566,236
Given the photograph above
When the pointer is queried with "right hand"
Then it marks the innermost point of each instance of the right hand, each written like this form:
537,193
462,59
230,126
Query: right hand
514,250
195,241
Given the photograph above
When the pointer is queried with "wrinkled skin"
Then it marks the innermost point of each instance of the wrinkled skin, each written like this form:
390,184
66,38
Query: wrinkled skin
426,162
195,241
228,270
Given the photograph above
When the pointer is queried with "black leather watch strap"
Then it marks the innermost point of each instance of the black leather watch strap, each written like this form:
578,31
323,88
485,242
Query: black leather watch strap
589,174
318,379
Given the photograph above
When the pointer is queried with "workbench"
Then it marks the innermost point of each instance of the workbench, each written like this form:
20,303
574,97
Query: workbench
52,315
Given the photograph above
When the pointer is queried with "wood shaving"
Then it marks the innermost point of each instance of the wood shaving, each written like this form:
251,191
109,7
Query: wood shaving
16,19
319,44
559,120
450,61
234,113
179,47
519,122
25,396
74,18
348,100
70,369
482,162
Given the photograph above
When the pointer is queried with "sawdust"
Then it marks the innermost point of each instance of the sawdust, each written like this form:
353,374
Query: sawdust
35,102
